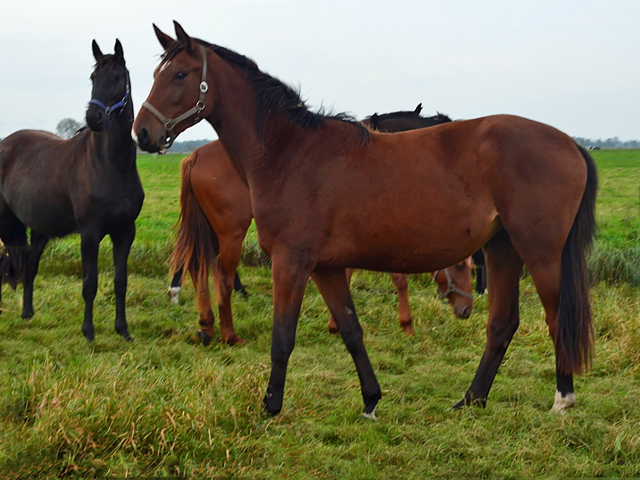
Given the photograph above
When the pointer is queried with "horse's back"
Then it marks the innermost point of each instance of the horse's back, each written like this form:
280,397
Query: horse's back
427,198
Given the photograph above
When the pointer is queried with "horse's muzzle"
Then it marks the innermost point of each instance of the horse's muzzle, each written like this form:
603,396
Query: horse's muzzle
144,141
96,118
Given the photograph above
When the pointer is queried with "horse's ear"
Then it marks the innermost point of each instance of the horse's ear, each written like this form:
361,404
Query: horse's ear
418,109
119,56
164,39
97,53
183,38
373,121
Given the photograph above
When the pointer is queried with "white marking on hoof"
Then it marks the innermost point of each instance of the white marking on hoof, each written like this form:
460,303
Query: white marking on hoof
562,404
174,295
370,416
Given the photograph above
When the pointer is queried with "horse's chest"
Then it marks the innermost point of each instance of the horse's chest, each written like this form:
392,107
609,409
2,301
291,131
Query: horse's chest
112,206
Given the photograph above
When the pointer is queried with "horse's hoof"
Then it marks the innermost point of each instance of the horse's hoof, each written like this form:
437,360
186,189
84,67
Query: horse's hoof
204,338
272,407
174,295
235,340
27,315
562,404
371,415
458,405
126,336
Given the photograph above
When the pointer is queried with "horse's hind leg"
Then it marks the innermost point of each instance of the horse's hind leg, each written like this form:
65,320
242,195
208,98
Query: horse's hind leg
333,326
335,290
504,266
224,276
122,242
547,277
38,242
14,236
176,286
239,287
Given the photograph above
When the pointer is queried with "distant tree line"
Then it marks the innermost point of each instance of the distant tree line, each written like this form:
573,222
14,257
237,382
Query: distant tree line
187,146
614,142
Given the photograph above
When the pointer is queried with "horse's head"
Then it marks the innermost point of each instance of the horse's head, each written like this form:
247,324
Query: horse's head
111,91
178,97
454,284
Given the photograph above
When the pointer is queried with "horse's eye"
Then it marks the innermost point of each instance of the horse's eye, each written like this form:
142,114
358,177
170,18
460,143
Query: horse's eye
180,75
118,78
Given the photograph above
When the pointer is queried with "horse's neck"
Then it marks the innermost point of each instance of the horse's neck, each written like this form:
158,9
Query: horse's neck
115,145
234,120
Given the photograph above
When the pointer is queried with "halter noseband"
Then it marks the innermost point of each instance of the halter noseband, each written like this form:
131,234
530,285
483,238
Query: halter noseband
109,110
170,123
451,286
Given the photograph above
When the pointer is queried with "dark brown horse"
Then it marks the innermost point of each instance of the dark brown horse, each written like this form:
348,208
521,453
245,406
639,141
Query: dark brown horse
214,218
88,184
327,195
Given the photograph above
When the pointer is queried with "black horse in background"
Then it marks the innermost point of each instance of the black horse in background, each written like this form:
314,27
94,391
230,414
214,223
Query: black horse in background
88,184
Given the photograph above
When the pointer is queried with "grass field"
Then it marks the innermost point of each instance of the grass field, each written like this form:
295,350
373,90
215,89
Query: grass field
165,406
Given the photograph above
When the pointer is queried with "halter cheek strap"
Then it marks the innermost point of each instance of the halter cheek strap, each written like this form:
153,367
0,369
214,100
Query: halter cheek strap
109,110
170,123
451,286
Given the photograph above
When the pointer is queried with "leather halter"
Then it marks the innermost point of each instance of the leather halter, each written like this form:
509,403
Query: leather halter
109,110
451,286
170,123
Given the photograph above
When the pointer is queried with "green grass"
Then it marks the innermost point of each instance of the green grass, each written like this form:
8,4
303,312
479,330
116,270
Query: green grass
165,406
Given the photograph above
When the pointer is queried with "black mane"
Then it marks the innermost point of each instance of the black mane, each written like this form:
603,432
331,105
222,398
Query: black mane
272,95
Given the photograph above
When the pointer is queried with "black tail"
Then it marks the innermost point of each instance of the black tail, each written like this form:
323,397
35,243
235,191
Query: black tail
574,332
13,264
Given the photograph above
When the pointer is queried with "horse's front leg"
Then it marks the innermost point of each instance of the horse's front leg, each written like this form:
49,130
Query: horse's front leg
289,281
89,244
121,246
404,310
334,288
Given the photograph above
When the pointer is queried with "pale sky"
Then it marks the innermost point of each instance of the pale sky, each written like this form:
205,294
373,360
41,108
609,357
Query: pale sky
571,64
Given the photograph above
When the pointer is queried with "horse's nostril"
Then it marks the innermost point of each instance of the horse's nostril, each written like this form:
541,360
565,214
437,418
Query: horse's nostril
143,137
466,311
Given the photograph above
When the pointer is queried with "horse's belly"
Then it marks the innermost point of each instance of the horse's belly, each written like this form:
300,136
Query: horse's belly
53,219
409,243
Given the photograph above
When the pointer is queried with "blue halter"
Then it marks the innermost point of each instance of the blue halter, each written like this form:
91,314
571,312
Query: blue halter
116,106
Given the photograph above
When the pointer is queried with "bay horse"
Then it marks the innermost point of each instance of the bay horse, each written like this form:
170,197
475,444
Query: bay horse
328,194
88,184
215,216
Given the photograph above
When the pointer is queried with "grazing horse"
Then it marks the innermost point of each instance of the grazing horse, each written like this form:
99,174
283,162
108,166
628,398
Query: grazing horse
216,213
327,194
88,184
